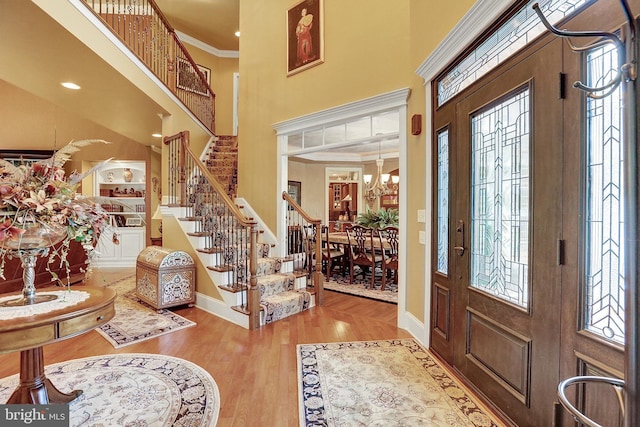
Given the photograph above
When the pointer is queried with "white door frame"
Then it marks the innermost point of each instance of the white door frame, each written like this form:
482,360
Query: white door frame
392,100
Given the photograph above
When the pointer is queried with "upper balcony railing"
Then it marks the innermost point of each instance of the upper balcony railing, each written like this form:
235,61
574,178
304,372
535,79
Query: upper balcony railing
146,32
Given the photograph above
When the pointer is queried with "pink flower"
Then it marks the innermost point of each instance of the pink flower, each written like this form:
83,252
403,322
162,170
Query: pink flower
6,191
8,231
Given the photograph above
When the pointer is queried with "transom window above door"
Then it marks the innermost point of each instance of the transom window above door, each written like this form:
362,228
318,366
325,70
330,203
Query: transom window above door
359,131
509,38
350,134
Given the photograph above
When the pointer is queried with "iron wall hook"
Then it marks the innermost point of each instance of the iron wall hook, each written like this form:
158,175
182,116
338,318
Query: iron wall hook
624,69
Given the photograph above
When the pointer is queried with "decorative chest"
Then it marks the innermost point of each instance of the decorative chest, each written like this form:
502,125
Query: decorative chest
165,277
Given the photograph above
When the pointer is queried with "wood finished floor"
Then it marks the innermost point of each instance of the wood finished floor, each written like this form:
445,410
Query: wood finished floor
255,370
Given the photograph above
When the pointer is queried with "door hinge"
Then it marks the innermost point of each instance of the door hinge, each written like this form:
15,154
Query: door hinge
557,414
562,85
560,252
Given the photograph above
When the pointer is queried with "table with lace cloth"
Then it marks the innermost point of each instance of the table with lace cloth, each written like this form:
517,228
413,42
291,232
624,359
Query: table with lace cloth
28,328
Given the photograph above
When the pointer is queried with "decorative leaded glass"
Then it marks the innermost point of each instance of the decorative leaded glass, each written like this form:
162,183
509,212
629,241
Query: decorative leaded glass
604,267
500,199
513,35
443,202
384,125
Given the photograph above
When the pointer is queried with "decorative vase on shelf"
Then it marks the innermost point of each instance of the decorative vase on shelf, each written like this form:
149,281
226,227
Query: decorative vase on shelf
33,242
127,175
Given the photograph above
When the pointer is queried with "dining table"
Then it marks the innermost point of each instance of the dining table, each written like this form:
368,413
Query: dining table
341,238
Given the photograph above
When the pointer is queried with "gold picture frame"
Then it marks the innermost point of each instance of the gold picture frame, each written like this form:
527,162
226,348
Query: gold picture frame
305,35
294,188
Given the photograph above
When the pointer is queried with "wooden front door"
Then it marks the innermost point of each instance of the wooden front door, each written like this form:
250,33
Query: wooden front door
526,287
508,221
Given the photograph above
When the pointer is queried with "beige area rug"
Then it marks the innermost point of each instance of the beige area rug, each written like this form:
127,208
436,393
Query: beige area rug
380,383
360,286
137,321
133,390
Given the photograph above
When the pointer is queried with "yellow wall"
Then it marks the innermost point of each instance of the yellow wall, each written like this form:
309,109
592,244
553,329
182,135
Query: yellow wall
371,47
364,56
222,70
28,122
430,22
173,237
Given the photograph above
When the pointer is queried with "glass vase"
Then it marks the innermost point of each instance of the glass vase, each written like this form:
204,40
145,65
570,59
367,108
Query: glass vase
35,241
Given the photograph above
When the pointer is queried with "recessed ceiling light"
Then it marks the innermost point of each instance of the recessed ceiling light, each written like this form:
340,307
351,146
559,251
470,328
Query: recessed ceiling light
156,135
237,33
70,85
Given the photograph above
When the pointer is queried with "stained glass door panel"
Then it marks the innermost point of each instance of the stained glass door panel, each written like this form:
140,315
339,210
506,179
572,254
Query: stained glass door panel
507,202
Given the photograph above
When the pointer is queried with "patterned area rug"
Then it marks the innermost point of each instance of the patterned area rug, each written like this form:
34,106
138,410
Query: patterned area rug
133,390
380,383
359,287
137,321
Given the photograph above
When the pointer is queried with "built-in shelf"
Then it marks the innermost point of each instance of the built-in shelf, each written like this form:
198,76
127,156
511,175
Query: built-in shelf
125,202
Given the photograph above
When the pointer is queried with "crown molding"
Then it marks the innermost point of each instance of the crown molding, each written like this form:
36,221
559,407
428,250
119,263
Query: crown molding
207,48
482,14
362,107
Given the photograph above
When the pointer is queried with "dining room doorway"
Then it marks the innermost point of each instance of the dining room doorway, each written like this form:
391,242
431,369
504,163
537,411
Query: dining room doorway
345,136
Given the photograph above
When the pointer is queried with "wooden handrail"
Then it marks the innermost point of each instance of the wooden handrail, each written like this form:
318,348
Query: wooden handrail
227,231
143,28
317,278
240,217
286,196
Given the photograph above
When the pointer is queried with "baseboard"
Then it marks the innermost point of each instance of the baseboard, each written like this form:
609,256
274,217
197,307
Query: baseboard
417,328
221,309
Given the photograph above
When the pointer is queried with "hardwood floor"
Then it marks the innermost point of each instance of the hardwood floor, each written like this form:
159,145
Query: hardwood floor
255,370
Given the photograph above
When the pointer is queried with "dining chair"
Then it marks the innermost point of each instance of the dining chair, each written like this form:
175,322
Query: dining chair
362,251
332,255
389,235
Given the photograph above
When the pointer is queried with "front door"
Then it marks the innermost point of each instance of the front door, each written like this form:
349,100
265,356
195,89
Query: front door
527,288
508,220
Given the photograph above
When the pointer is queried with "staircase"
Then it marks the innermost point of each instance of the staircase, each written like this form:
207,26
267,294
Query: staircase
257,287
234,248
282,292
279,297
221,159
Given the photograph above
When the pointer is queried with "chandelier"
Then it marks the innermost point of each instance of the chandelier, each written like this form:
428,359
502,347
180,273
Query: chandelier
380,186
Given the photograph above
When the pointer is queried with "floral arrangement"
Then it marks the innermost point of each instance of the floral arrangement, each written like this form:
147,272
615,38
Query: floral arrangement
40,194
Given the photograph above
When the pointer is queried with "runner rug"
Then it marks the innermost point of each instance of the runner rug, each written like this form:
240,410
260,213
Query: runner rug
360,286
380,383
133,390
137,321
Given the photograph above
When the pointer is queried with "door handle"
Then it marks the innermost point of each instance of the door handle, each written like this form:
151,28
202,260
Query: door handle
459,248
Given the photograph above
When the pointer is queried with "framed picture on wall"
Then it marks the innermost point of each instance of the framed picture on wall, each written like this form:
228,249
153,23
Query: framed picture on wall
294,190
188,78
305,35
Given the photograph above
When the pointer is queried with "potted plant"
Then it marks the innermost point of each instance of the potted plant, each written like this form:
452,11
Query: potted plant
378,219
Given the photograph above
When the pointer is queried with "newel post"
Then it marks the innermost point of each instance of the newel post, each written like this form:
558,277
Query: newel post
318,277
253,293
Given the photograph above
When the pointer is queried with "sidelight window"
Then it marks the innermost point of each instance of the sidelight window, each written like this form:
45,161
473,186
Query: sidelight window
604,228
443,202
